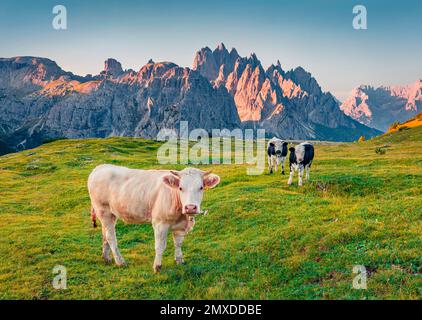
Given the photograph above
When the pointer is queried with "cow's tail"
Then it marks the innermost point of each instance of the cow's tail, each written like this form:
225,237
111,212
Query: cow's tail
93,217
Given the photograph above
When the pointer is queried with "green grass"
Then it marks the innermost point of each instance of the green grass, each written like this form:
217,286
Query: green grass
261,240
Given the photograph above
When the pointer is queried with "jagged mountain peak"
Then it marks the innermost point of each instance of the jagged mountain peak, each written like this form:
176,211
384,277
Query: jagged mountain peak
112,67
305,79
234,53
220,47
155,70
275,68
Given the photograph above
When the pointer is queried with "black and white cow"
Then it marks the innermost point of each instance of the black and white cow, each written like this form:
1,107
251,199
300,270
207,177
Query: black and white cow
277,152
301,158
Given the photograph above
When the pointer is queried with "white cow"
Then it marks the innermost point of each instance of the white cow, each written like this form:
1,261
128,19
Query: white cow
167,199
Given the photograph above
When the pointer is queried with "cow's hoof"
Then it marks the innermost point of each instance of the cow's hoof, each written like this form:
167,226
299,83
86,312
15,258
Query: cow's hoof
121,263
156,268
179,261
107,259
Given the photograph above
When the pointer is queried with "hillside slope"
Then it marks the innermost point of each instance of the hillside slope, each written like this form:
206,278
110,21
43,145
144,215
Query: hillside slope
261,239
411,133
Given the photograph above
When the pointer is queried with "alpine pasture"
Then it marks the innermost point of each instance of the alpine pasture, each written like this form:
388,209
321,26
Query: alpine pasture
262,239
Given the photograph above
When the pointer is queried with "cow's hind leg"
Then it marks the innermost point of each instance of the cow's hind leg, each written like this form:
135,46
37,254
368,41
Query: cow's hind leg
106,247
160,233
178,237
108,221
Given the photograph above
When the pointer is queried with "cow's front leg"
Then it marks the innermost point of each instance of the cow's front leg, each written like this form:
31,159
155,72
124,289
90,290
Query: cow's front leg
178,237
160,233
282,166
300,174
292,172
270,164
308,169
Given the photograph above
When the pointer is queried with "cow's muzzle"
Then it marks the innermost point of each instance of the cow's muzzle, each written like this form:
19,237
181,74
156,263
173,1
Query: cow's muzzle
191,209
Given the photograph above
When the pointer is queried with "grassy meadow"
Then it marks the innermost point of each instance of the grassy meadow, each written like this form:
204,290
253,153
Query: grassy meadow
262,238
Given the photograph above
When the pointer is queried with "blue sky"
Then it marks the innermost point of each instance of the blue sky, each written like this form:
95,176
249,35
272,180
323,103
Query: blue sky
317,35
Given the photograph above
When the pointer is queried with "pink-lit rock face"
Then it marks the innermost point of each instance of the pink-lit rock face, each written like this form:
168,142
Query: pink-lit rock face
380,107
257,93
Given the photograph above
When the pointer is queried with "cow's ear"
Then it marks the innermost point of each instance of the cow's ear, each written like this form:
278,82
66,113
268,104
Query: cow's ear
176,173
211,180
292,149
171,181
285,143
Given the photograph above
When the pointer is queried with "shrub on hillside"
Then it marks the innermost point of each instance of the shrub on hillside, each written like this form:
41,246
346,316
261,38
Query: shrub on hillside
361,139
379,150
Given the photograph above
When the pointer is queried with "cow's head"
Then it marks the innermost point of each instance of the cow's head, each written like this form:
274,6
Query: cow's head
300,153
190,184
279,146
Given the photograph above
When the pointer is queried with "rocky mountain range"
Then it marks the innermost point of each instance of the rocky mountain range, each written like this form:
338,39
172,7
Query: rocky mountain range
287,104
39,101
380,107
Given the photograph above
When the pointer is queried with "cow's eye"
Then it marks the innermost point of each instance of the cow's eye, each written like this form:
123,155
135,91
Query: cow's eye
201,188
180,188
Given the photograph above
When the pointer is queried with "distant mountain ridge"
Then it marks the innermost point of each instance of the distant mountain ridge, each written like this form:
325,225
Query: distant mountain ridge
39,101
380,107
